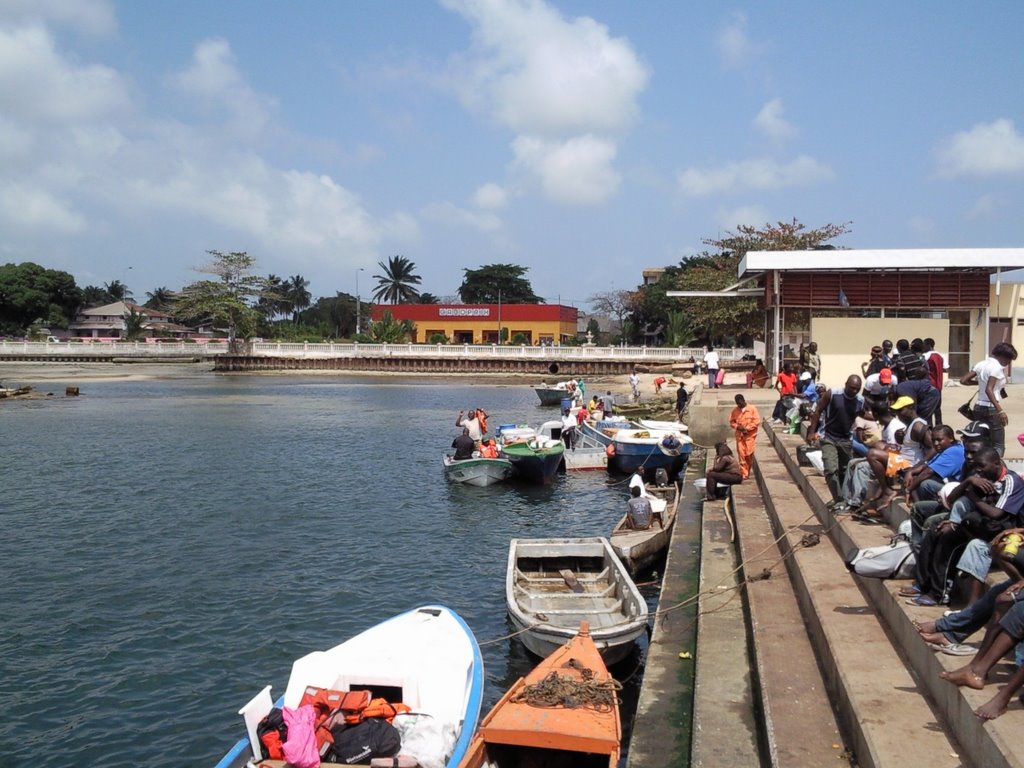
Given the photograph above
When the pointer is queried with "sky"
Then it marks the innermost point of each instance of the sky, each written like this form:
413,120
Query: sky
583,140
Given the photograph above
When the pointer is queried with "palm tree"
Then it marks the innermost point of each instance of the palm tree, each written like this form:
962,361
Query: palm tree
272,301
395,286
298,296
160,299
117,291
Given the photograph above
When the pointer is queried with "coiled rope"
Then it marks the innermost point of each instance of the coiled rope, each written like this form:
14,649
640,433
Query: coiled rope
571,693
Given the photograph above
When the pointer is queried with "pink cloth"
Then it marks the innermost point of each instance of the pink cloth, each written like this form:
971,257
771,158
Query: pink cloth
300,749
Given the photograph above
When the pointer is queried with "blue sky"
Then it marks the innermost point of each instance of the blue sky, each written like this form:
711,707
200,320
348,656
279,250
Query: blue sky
583,140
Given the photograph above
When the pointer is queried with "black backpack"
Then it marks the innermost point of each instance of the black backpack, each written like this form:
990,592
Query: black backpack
360,743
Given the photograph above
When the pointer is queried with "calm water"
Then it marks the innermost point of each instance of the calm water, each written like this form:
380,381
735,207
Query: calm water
170,546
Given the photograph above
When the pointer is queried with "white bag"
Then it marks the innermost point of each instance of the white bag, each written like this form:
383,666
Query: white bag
894,560
816,461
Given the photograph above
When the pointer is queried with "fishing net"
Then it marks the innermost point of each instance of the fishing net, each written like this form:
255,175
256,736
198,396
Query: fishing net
571,692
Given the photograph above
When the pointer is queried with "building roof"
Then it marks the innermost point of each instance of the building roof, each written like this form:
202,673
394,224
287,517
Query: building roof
978,259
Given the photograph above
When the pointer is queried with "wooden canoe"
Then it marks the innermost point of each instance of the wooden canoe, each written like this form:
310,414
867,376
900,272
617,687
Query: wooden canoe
521,731
639,549
551,585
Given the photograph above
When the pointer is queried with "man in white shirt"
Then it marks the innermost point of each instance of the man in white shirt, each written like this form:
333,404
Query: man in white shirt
472,423
990,376
711,362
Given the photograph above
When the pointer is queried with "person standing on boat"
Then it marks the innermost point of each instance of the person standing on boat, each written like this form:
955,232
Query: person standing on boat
471,424
464,446
568,429
745,420
638,510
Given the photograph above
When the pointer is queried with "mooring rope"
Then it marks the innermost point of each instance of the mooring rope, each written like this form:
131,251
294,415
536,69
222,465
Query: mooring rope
570,692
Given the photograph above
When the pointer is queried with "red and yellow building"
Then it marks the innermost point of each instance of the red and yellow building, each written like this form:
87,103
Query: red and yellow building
482,323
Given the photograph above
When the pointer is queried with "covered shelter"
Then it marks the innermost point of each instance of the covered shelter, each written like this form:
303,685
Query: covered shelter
849,300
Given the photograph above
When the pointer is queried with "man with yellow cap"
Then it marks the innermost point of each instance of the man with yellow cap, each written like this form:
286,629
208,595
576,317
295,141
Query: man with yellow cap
915,444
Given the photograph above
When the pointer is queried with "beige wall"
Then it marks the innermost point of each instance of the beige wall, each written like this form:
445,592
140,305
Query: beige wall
845,342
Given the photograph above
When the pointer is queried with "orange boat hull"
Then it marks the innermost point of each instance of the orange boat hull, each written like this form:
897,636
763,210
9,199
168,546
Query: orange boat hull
549,732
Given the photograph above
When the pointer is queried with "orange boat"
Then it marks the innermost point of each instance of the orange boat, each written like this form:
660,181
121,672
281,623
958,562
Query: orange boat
532,725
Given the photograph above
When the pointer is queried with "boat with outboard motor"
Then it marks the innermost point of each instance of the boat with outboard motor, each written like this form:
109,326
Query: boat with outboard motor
639,549
535,458
477,471
426,658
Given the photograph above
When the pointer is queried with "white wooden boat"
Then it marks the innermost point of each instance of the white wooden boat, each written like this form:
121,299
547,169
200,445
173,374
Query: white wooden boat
639,549
551,585
477,471
427,658
588,453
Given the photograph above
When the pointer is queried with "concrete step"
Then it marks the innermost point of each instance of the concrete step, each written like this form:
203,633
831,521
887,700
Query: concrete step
725,727
799,726
884,712
993,743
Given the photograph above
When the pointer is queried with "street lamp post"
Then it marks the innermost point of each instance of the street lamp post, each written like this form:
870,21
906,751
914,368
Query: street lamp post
358,313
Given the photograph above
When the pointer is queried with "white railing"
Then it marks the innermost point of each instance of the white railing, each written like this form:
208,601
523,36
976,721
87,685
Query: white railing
313,350
485,351
107,348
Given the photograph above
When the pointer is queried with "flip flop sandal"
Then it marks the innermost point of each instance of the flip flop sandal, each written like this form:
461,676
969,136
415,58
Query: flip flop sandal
912,591
869,519
925,601
959,649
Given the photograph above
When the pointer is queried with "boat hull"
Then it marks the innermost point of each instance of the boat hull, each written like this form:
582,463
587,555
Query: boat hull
478,471
546,611
429,653
534,465
515,728
638,550
550,395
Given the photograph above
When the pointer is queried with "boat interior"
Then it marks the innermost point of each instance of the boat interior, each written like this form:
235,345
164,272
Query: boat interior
582,587
503,756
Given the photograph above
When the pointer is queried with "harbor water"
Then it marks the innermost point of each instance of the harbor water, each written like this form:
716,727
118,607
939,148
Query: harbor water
172,545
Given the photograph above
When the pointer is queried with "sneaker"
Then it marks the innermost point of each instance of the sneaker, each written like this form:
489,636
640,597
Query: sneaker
947,614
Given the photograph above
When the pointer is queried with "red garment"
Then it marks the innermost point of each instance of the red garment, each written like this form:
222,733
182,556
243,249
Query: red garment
788,383
935,370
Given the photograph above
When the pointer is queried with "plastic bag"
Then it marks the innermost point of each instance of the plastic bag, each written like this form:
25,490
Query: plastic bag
426,738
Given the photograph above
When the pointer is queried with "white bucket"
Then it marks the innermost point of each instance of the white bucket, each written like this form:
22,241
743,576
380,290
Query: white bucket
700,483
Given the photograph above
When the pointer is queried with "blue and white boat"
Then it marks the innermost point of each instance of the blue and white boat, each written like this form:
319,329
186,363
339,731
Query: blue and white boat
631,448
426,658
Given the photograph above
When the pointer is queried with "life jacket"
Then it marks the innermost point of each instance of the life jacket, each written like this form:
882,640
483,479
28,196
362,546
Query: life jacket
482,418
331,706
385,709
488,451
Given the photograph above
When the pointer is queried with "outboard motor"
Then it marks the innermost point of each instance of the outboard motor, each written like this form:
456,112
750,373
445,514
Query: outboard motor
661,477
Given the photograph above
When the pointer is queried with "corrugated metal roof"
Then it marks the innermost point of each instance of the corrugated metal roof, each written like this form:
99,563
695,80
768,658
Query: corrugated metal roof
884,258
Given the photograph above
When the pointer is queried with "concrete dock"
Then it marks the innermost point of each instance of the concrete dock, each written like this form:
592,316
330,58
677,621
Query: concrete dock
797,661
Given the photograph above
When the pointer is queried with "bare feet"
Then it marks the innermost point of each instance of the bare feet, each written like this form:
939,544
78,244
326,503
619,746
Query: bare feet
925,627
936,638
995,706
964,676
885,499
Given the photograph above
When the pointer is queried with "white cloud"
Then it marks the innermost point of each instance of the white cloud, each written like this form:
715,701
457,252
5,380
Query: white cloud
771,122
987,149
27,208
95,17
453,215
36,83
733,45
754,215
490,196
566,87
214,77
760,174
921,226
983,207
576,172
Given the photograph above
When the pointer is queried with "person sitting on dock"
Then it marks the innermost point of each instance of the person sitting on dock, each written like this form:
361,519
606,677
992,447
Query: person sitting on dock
464,446
471,423
725,470
759,376
639,512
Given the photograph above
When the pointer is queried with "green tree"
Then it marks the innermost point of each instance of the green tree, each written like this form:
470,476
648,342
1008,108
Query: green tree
273,302
117,291
677,329
297,295
133,324
387,330
228,299
29,292
93,296
428,298
337,313
594,329
161,299
396,285
494,282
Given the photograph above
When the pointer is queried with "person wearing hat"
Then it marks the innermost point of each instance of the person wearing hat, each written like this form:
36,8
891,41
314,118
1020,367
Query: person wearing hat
990,376
877,387
806,388
924,395
888,462
836,412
